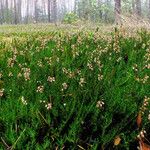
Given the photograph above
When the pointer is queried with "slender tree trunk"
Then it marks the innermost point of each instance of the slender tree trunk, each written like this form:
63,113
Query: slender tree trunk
1,13
11,15
54,10
36,11
19,11
149,10
138,8
118,11
106,11
27,12
49,11
75,6
44,9
100,11
133,7
7,14
15,13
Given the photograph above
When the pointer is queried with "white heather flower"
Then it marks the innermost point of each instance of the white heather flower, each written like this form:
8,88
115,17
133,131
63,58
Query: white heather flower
26,73
142,133
145,78
65,71
41,101
19,75
22,53
149,117
48,106
78,72
144,107
49,60
137,79
11,62
100,104
39,63
135,68
147,66
1,75
75,53
10,74
90,66
119,59
23,100
40,89
51,79
65,86
82,81
144,45
71,74
100,77
57,59
1,92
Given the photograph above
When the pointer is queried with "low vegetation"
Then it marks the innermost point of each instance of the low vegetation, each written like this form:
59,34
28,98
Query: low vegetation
74,90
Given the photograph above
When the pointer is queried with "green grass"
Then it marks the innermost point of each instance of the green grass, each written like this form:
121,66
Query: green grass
73,90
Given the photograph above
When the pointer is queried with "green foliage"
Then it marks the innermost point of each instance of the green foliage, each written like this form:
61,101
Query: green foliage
72,90
8,16
70,18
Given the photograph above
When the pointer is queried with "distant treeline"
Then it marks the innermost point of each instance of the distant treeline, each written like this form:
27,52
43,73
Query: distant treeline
34,11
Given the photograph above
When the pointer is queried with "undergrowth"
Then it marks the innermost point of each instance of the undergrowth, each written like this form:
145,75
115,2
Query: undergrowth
74,90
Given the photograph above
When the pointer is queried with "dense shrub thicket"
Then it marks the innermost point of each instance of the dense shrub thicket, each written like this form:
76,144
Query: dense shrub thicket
73,91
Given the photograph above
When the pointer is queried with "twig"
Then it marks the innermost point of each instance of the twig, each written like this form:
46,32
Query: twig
81,147
13,146
147,140
43,118
5,143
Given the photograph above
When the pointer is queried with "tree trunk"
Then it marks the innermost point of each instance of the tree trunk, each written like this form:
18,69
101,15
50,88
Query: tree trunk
1,13
138,8
19,11
44,8
11,15
133,7
108,3
100,11
118,11
49,11
36,11
6,9
149,10
54,10
15,13
75,6
27,12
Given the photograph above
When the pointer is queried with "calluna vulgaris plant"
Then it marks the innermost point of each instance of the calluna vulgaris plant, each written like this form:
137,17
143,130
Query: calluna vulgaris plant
74,90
